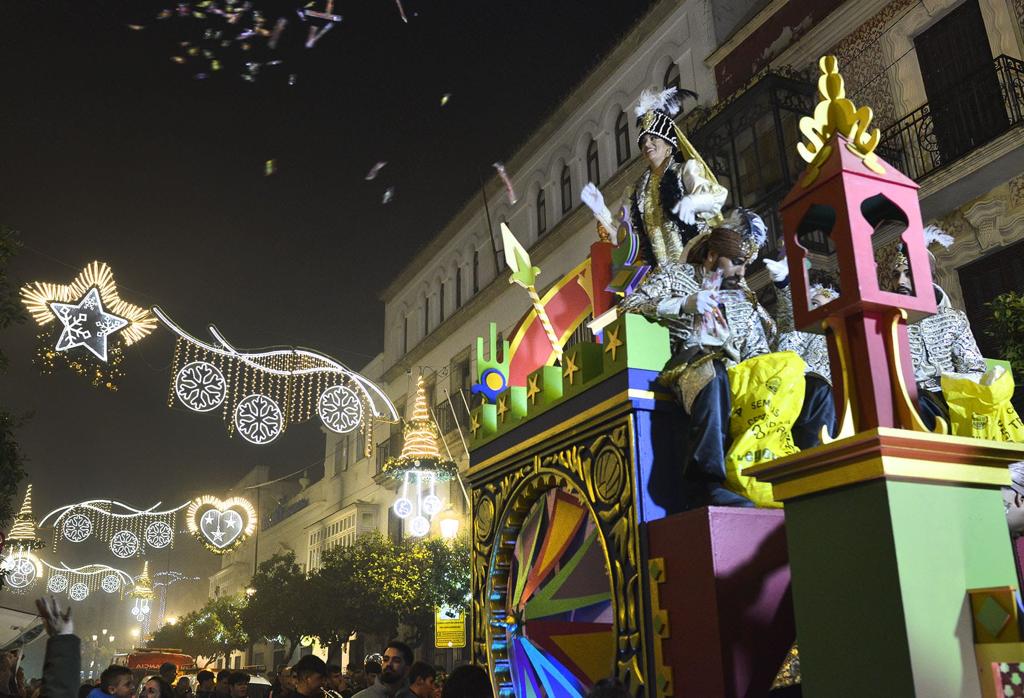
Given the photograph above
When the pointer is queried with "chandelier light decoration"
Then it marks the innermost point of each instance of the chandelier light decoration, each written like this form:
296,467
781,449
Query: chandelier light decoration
221,526
85,325
127,531
419,468
21,568
142,594
259,393
79,582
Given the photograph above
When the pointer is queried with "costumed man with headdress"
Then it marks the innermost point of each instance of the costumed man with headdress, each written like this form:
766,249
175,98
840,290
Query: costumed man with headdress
677,197
714,322
940,343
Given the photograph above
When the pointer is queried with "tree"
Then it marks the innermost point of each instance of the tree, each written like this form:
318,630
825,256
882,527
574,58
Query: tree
212,632
12,460
281,604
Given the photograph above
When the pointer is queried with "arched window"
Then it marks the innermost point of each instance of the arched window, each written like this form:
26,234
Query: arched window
458,287
593,163
672,76
405,335
622,139
440,301
566,189
476,271
426,316
542,213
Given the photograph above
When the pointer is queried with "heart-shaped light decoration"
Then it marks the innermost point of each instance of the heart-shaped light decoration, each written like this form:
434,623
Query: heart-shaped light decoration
221,526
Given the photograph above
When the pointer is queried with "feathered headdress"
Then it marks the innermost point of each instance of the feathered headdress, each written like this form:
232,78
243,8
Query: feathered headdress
655,112
751,228
933,233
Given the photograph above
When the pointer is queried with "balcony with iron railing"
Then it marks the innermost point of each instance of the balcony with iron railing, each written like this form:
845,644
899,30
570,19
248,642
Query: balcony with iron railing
977,111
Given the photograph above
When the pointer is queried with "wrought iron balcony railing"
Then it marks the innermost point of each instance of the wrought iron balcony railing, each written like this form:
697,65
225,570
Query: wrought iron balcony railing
977,111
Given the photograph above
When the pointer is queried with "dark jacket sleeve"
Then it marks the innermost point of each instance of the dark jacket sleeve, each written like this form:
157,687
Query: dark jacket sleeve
62,667
671,192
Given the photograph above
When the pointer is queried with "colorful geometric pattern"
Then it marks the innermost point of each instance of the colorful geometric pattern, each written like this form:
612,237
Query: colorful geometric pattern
1009,679
558,612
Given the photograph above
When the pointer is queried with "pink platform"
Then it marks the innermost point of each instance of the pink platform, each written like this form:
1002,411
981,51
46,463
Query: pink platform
728,599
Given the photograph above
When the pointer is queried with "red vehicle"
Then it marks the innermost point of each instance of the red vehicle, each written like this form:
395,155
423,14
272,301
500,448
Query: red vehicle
145,662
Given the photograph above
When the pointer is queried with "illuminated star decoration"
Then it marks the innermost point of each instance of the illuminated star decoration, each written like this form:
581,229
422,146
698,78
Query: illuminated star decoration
86,324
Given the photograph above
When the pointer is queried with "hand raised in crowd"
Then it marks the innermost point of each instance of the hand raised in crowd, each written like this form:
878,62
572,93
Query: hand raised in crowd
56,621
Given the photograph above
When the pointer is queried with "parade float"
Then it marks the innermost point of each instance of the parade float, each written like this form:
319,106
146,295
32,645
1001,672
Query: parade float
884,566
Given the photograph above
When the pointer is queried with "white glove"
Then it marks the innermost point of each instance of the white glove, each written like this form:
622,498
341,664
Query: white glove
778,271
692,204
594,200
702,302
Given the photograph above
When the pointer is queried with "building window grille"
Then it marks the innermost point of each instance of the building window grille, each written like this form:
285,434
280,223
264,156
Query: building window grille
672,76
542,213
458,287
622,138
566,189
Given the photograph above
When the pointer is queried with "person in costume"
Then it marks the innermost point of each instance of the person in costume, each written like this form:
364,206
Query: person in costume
940,343
714,322
811,347
677,197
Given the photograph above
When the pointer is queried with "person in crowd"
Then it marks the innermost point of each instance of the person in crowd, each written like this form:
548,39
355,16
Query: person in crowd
609,688
356,676
117,681
204,684
421,680
336,680
394,669
310,673
371,670
168,671
238,684
85,689
468,681
62,662
8,681
157,687
221,688
183,687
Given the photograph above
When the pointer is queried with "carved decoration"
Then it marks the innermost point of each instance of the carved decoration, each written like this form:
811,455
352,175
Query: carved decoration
597,466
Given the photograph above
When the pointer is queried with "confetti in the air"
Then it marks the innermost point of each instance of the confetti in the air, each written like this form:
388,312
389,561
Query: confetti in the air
314,35
512,198
269,167
389,194
291,79
401,11
445,98
136,27
375,170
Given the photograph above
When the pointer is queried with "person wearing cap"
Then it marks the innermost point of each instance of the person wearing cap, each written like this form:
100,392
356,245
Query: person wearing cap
677,197
714,322
940,343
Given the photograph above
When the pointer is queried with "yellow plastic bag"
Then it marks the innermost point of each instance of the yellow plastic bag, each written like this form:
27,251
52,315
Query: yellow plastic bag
767,395
981,407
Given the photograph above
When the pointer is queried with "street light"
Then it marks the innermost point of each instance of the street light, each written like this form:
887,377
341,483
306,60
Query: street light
104,631
111,638
250,591
95,637
449,523
135,633
172,620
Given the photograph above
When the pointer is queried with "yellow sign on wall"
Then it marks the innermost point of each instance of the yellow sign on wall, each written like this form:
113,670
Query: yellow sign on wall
449,628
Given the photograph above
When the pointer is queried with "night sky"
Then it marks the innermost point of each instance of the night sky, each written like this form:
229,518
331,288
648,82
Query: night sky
109,150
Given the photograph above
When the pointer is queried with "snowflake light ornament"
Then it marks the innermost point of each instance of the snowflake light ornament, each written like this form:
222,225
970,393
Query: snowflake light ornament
258,419
124,544
200,386
340,409
77,528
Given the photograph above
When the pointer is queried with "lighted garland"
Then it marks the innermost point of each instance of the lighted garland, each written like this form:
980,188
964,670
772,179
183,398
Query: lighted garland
83,581
221,526
259,393
99,373
128,532
20,566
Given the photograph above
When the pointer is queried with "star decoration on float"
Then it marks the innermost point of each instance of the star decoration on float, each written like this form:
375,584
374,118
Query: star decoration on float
532,389
86,324
613,343
502,408
570,369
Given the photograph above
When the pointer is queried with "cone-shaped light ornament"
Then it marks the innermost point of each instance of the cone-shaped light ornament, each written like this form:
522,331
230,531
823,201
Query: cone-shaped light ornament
143,584
23,534
420,452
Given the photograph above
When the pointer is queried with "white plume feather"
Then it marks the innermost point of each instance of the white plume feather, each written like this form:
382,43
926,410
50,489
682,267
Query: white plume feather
666,101
934,233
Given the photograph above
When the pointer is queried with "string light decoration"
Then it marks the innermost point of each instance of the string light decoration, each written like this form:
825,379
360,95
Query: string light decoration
419,468
164,580
21,568
79,582
142,594
221,526
85,325
259,393
128,532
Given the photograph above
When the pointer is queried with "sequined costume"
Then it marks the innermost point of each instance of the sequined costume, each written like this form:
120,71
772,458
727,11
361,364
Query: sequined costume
660,299
663,237
943,343
812,348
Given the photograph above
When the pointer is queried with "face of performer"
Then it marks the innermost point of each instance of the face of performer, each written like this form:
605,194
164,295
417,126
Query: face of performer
732,268
656,150
904,284
819,299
